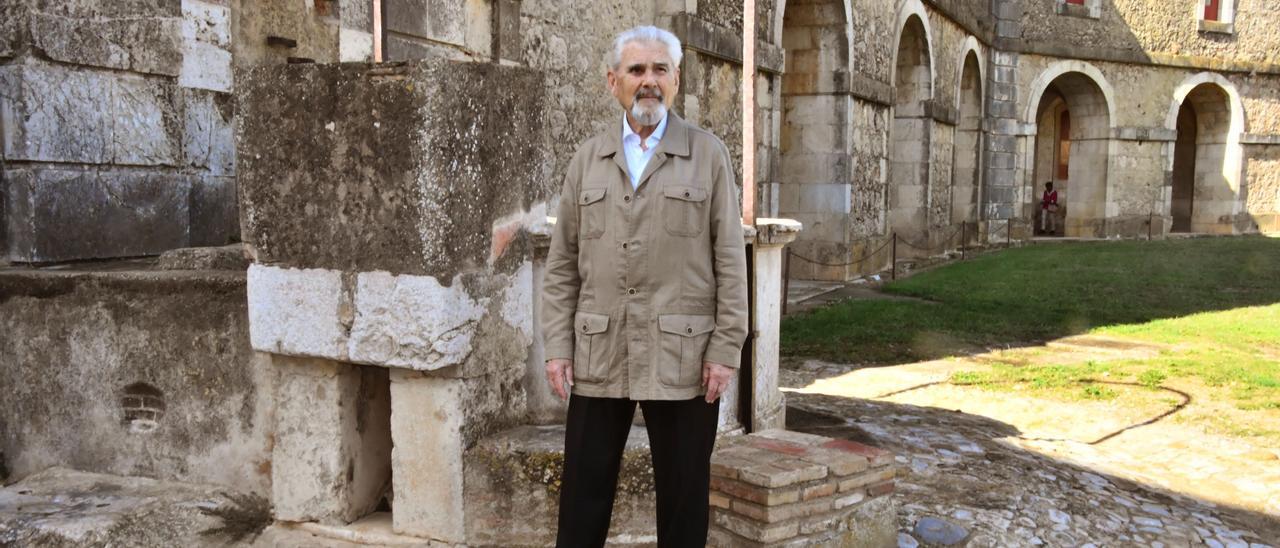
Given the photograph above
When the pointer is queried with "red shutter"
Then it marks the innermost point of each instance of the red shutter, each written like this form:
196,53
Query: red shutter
1211,9
1076,2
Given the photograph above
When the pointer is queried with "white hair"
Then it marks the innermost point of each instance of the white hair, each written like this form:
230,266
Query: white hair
646,34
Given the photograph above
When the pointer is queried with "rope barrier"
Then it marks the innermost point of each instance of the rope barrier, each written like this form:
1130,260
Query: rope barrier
914,245
842,264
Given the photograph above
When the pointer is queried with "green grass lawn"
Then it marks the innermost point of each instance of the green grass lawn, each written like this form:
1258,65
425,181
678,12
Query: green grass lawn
1216,299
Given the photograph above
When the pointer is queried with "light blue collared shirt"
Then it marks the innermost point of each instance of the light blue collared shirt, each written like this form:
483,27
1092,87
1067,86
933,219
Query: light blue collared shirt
637,158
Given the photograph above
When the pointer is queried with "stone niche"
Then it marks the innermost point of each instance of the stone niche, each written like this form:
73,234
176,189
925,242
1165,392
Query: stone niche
392,283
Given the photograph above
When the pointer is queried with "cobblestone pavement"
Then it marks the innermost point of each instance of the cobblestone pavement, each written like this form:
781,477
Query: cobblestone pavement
963,473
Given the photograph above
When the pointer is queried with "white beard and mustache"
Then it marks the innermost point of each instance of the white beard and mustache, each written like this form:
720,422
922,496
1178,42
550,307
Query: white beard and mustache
650,116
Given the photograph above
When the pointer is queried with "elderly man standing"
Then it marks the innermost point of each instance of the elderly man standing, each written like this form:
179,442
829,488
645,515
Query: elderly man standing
645,299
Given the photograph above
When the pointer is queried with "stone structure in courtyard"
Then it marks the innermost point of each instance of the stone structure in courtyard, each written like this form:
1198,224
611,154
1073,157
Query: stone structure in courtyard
388,284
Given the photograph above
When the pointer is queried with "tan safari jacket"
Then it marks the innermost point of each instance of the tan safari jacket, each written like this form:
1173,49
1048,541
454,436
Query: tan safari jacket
643,285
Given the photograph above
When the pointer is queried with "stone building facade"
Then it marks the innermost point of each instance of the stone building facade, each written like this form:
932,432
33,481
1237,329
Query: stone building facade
873,117
940,121
880,124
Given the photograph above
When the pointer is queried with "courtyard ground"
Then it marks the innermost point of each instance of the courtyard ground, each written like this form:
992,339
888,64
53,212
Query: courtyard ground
1109,392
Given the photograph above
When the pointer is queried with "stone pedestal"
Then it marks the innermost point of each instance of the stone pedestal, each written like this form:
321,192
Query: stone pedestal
426,424
330,462
768,407
779,488
386,209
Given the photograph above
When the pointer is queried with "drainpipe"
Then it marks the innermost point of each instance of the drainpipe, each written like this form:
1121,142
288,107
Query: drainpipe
377,31
748,112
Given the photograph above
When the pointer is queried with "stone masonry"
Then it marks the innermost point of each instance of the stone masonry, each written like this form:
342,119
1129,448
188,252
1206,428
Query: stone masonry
780,488
394,252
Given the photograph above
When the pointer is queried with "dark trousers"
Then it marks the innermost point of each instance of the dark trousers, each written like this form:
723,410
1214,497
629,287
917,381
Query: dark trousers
681,437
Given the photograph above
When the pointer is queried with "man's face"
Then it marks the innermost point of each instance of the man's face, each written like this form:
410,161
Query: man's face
645,82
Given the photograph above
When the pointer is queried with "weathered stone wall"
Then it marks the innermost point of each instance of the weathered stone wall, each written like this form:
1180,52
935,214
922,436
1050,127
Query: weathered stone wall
133,372
1137,30
1262,187
404,245
116,116
875,38
569,45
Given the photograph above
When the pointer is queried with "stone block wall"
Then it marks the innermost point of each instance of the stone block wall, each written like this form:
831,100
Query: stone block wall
134,372
402,245
116,117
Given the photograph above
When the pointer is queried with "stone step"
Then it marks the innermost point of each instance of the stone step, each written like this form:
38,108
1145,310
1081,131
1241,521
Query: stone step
513,478
61,507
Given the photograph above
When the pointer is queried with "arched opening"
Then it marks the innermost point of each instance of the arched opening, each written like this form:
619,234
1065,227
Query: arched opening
1073,138
814,162
964,174
1202,199
911,135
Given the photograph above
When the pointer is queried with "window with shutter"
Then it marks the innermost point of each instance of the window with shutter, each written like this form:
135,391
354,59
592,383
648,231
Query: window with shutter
1212,10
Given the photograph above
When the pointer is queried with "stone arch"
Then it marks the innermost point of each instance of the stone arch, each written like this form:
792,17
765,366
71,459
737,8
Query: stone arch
1071,111
814,133
908,10
1205,160
967,149
911,132
971,48
1060,68
779,24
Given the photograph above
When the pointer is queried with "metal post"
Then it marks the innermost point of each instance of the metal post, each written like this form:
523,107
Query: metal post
1008,233
1151,218
786,278
893,258
964,236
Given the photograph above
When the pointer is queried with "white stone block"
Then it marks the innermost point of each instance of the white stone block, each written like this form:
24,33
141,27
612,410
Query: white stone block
517,301
140,134
297,312
412,321
308,464
54,113
426,462
205,22
354,46
205,66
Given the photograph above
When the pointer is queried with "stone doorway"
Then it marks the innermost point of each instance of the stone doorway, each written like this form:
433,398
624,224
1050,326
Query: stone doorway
1072,149
1201,195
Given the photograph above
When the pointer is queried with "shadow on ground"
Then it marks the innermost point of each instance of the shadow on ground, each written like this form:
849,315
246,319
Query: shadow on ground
966,469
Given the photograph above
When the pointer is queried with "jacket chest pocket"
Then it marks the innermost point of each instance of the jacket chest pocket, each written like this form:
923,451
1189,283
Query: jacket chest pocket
591,213
684,210
684,341
591,347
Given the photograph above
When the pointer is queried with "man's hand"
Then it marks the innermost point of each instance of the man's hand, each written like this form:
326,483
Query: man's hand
560,373
716,378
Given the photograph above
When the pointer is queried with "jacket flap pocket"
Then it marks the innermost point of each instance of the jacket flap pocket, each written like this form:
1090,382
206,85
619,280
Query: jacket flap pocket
590,196
586,323
686,193
686,325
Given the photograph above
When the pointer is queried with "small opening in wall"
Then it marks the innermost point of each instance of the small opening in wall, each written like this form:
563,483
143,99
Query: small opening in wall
143,407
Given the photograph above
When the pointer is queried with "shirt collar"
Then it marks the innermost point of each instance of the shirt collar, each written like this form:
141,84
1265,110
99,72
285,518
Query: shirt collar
656,136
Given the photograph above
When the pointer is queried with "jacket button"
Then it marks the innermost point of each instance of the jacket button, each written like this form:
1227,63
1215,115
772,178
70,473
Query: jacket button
624,245
631,291
686,194
688,330
584,327
626,198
